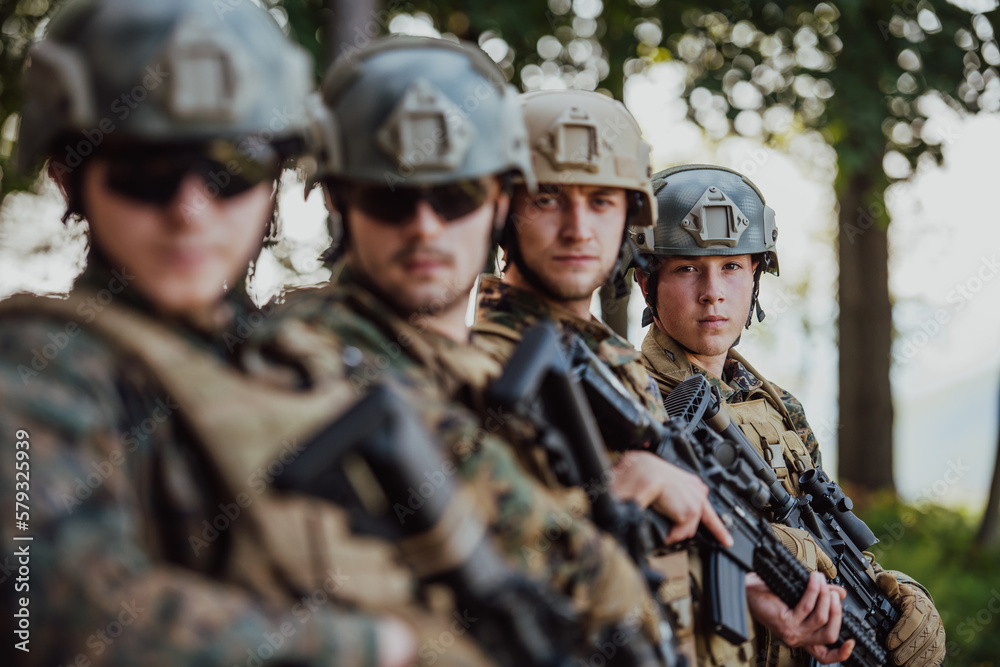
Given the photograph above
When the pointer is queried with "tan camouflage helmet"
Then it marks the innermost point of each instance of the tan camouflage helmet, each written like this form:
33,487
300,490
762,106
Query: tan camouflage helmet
118,71
415,111
579,137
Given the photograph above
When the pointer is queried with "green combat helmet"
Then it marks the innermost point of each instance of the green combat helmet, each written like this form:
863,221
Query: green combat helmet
584,138
705,210
416,111
156,72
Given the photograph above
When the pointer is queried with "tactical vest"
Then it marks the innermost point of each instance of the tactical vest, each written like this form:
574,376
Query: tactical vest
283,547
767,424
499,342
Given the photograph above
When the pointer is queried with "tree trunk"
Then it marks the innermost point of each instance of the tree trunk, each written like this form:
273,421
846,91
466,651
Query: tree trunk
989,529
350,23
614,311
865,338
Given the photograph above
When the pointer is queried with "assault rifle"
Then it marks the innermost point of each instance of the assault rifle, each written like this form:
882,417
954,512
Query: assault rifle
700,438
372,461
536,385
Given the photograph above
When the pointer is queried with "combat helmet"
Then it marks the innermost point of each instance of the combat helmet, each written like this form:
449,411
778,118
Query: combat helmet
184,71
580,137
415,111
705,210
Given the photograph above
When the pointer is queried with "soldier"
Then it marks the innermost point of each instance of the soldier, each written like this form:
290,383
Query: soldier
146,431
418,139
714,237
562,243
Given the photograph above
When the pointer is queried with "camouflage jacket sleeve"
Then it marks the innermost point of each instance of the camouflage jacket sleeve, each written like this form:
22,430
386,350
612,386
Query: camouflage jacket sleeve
801,424
541,532
106,583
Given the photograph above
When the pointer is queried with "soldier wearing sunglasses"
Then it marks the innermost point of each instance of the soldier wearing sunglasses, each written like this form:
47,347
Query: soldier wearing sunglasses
146,428
419,139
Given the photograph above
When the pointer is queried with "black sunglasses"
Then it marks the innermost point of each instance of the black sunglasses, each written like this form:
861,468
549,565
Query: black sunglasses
154,174
398,204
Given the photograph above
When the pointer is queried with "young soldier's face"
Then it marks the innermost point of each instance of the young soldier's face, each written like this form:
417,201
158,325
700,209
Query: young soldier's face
184,254
422,259
569,237
702,302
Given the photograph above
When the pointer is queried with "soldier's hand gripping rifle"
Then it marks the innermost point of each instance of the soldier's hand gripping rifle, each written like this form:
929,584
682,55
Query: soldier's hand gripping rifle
742,487
536,385
369,462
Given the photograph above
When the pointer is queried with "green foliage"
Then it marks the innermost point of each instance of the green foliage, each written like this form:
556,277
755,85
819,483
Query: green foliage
934,545
19,19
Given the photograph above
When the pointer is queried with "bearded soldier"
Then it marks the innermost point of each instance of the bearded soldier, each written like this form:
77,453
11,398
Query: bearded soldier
147,426
417,141
713,239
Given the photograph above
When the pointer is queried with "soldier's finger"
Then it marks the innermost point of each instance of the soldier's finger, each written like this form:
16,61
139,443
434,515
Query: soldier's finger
826,655
682,531
711,520
831,629
816,622
808,602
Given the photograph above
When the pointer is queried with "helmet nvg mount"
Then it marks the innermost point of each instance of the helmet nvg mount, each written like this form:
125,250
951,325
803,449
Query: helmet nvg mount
708,210
585,138
705,210
121,71
415,111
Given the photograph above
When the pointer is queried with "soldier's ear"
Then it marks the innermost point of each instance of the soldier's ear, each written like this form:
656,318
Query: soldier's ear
643,280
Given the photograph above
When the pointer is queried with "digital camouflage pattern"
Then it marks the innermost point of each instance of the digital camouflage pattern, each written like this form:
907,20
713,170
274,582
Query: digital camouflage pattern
128,520
539,532
667,364
505,312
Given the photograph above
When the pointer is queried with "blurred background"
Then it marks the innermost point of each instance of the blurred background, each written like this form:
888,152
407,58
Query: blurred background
872,130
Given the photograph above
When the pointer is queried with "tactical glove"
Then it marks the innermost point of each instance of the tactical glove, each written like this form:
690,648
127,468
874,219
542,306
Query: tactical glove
918,638
805,549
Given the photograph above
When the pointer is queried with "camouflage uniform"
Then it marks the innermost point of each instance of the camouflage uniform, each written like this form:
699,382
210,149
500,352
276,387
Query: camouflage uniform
540,533
505,312
130,553
739,385
691,202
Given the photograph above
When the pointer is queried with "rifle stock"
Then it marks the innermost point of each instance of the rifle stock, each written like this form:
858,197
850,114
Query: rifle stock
517,622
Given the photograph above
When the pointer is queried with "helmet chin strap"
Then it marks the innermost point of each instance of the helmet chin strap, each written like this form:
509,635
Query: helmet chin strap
754,300
627,249
649,314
